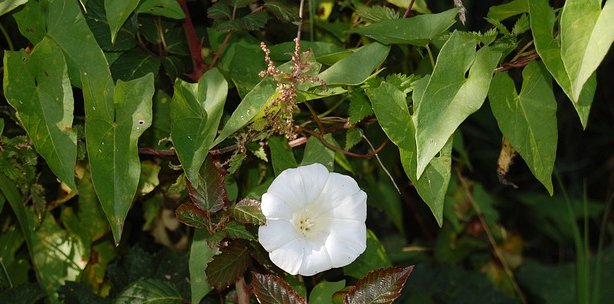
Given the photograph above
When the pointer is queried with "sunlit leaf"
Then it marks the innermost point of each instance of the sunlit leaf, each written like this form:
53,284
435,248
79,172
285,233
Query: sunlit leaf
379,286
31,21
542,21
528,119
450,96
509,9
418,30
323,292
271,289
9,5
317,152
196,110
200,255
37,86
226,267
150,291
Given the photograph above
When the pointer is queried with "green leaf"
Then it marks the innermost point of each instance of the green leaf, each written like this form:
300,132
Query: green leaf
112,147
271,289
117,13
586,36
510,9
248,211
200,255
9,5
210,196
196,110
357,67
379,286
229,265
317,152
418,30
27,293
2,126
150,291
37,86
542,21
375,256
97,21
323,292
254,102
235,230
449,97
134,64
281,10
528,119
391,110
165,8
282,156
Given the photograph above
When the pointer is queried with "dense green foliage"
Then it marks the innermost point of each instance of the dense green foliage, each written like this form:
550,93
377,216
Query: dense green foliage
138,136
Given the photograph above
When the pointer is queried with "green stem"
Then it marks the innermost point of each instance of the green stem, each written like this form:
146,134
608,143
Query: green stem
6,273
598,258
7,38
428,50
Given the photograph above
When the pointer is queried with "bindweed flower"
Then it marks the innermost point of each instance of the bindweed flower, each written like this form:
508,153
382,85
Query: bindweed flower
315,220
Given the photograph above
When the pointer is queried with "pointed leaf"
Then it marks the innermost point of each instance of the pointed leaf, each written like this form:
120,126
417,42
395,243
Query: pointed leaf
271,289
31,21
134,64
510,9
9,5
196,110
248,211
229,265
211,194
117,13
235,230
282,157
191,215
418,30
379,286
542,21
586,36
112,147
391,110
37,86
357,67
449,97
200,255
528,119
150,291
323,292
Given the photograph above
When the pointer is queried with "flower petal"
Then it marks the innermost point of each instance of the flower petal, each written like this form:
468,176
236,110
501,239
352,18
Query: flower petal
299,186
337,188
275,208
276,233
316,259
290,256
347,241
353,207
314,179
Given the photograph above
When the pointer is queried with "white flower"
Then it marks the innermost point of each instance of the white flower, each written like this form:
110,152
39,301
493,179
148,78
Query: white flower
315,220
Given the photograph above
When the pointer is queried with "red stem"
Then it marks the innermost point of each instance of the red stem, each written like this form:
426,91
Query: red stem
193,42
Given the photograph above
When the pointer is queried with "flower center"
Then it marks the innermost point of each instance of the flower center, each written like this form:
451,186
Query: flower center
309,223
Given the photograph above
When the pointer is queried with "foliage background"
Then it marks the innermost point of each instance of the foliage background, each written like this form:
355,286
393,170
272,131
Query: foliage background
67,252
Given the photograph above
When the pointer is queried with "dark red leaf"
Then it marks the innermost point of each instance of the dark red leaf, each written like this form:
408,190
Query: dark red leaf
191,215
379,286
271,289
248,211
229,265
211,192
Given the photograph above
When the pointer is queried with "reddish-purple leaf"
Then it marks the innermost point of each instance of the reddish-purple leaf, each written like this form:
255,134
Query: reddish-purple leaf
191,215
379,286
271,289
248,211
211,193
229,265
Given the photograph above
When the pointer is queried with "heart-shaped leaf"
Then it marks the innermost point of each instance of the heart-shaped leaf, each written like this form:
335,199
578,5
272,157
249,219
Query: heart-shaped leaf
379,286
271,289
